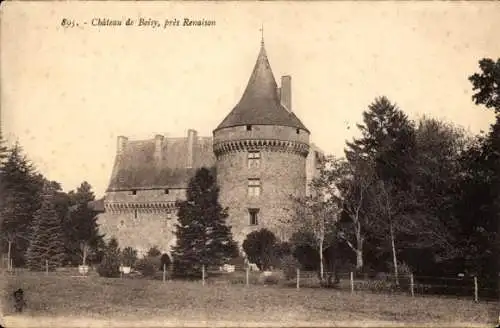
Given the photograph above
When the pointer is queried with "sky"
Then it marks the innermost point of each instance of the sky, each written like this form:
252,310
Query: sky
67,93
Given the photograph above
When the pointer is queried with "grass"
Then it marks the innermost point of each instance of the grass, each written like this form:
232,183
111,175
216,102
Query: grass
130,301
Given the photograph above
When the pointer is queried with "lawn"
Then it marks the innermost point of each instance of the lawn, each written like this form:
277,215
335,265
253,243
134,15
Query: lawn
65,301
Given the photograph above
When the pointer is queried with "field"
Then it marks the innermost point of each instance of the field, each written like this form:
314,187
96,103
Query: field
66,301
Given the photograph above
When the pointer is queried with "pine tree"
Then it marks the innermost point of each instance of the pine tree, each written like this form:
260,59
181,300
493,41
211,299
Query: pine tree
47,238
80,226
203,238
110,264
20,192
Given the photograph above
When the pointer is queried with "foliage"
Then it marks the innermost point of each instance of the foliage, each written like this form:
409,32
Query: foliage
154,251
165,261
260,247
21,189
289,265
148,266
110,264
487,84
203,237
129,256
80,225
46,247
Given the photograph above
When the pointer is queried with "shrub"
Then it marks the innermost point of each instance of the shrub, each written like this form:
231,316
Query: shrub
153,252
110,264
148,266
289,265
165,261
260,248
129,256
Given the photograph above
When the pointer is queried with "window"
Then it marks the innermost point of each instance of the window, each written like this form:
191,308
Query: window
135,214
298,131
253,215
253,187
249,128
253,159
167,191
134,192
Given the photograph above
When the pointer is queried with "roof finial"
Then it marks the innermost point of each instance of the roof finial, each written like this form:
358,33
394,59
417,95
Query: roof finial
262,34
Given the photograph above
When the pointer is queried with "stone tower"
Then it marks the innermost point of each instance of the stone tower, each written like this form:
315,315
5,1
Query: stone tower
261,149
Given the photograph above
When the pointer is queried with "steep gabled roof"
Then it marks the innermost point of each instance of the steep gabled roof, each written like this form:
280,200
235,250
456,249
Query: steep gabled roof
138,168
260,103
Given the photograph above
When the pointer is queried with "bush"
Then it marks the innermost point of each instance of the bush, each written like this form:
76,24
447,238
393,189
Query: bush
148,266
110,264
154,251
129,256
289,265
165,261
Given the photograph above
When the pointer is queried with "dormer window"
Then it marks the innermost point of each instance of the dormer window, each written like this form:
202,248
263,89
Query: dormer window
249,128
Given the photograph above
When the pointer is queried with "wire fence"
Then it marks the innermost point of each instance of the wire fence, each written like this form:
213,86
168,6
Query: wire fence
468,287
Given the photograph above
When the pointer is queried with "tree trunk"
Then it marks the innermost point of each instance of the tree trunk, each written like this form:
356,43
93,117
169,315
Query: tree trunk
359,248
8,255
321,269
394,256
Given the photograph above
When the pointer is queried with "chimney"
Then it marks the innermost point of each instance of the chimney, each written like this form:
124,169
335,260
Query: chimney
286,92
191,140
121,144
158,147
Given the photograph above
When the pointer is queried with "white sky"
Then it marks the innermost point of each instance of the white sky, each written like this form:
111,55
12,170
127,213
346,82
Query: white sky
66,94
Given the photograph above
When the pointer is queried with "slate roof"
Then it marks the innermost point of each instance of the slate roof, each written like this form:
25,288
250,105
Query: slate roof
260,103
138,168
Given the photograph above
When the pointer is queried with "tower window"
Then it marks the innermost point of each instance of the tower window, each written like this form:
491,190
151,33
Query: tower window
135,214
253,215
253,159
298,131
254,187
167,191
249,128
134,192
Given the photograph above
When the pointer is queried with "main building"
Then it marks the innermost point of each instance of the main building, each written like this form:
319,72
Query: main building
262,156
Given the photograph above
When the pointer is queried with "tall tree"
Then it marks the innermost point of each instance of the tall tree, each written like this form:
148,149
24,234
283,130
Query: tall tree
21,187
47,238
203,237
80,226
260,247
318,212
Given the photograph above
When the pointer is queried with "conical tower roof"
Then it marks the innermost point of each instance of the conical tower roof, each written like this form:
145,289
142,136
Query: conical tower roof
260,103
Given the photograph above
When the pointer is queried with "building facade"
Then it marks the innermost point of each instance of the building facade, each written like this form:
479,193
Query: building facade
262,155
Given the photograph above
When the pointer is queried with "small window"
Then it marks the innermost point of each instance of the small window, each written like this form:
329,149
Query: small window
253,215
253,159
249,128
135,214
253,187
134,192
122,222
298,131
167,191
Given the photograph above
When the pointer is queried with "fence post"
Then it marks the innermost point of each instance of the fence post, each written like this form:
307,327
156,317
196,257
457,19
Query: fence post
352,282
476,296
298,278
46,267
412,286
164,271
203,274
247,276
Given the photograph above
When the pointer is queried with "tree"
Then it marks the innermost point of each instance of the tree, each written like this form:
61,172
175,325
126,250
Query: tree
487,84
110,264
260,248
154,251
80,225
318,212
203,237
21,187
47,239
